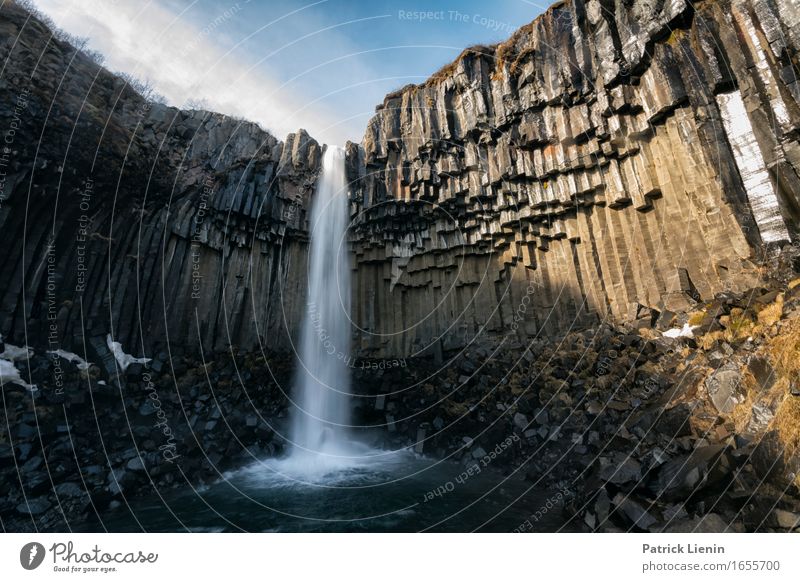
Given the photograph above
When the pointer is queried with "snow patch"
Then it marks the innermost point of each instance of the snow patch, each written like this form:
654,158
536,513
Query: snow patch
16,353
70,357
124,360
9,373
686,331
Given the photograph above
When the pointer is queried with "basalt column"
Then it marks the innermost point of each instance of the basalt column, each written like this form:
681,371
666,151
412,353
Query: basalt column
119,215
610,160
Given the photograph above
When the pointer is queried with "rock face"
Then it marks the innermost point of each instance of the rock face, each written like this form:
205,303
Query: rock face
617,160
613,159
126,216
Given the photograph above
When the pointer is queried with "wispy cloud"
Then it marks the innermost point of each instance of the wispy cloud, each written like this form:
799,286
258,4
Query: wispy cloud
318,64
184,61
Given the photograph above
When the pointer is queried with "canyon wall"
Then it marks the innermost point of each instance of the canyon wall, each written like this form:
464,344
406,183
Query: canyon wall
613,159
618,160
120,215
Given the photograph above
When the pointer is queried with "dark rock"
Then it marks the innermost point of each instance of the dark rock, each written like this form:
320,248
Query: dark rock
725,389
32,464
135,464
602,506
620,471
666,320
634,512
69,489
688,474
34,506
762,371
674,422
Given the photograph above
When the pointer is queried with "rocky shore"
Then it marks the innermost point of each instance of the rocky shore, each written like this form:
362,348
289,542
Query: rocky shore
69,454
677,422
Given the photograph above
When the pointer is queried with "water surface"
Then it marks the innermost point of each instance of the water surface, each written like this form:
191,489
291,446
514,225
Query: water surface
390,492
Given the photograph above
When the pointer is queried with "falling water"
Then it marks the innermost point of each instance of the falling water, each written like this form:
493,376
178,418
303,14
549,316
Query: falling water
322,408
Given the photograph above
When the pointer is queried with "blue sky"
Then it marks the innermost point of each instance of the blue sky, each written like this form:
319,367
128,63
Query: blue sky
318,64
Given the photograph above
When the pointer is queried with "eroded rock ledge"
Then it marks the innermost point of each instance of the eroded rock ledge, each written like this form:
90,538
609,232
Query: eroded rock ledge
612,159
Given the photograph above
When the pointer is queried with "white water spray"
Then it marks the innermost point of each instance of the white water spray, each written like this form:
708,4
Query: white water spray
318,430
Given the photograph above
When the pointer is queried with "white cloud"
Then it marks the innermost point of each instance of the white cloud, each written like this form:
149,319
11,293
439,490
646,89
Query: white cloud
183,62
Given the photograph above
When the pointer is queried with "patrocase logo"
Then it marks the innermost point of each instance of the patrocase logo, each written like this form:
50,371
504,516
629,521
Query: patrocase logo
31,555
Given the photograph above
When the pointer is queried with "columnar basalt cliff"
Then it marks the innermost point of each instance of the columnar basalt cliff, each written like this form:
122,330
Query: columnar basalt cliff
119,215
610,160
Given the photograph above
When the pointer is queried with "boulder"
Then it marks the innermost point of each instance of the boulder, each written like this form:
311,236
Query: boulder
789,520
35,506
623,469
633,512
725,389
686,475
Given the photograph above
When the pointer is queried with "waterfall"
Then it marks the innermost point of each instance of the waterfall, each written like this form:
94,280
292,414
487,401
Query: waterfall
318,431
